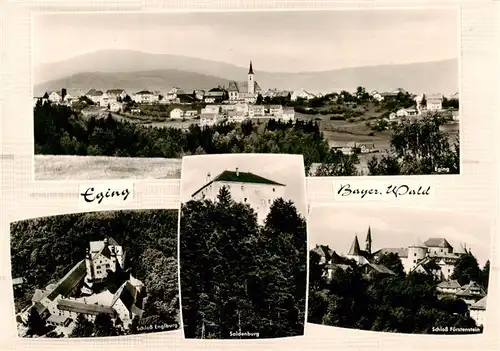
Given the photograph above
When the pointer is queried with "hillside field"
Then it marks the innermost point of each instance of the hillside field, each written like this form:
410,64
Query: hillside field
50,167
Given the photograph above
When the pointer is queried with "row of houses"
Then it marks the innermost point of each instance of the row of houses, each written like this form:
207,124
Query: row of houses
435,257
237,113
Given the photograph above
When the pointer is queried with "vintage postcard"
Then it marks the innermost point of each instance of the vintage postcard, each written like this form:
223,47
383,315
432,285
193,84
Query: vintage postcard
159,86
96,274
243,246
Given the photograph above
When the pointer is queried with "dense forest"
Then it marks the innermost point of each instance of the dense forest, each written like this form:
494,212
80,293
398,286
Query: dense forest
417,147
44,249
239,276
404,303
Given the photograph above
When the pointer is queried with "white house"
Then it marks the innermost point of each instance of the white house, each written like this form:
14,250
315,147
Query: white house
145,97
211,109
276,110
115,106
244,187
55,97
376,96
434,102
190,113
256,110
116,94
402,113
235,116
94,95
105,100
176,113
209,119
303,94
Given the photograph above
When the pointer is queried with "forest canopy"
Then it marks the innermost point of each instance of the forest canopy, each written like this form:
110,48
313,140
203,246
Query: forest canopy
239,276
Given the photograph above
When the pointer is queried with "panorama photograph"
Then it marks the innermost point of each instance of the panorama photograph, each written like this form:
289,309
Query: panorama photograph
398,270
243,246
160,86
96,274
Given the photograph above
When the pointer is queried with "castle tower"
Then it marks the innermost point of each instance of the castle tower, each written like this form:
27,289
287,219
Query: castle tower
251,83
368,241
415,254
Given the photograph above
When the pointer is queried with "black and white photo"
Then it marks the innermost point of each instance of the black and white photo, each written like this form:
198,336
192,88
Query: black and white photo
400,270
243,246
159,86
96,274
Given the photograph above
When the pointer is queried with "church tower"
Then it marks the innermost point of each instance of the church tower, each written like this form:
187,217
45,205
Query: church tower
368,241
251,83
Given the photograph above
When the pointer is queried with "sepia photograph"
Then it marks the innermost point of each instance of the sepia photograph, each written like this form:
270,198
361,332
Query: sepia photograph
96,274
243,246
398,270
155,87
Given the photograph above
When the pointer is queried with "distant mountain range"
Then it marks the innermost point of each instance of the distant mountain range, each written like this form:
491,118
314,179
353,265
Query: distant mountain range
134,71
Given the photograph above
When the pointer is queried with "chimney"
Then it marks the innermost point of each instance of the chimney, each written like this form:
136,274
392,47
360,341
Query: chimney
237,172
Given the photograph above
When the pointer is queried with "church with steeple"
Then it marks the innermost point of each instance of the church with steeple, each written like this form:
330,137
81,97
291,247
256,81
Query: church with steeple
244,91
361,256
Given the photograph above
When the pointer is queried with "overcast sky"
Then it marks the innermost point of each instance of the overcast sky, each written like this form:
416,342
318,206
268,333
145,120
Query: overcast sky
284,169
336,226
279,41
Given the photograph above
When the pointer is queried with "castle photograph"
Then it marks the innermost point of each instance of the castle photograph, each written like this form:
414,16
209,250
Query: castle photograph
129,107
243,246
94,274
397,274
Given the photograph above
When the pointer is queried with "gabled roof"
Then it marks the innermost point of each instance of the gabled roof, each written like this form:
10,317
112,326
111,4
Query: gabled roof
242,177
355,249
449,284
471,289
233,86
93,92
81,307
323,251
379,268
479,305
115,91
438,242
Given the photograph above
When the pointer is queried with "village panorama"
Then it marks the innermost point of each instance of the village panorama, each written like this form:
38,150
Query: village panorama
339,133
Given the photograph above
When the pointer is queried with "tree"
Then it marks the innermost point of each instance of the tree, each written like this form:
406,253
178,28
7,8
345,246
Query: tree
467,269
103,325
418,147
83,328
485,275
259,99
36,325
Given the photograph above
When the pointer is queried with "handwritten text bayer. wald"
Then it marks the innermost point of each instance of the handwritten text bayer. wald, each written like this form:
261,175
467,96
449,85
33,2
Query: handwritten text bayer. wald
391,190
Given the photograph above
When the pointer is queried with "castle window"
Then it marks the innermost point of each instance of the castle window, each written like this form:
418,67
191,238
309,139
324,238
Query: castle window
242,187
415,254
245,199
274,189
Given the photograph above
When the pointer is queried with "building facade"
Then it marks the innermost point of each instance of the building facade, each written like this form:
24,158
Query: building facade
244,187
